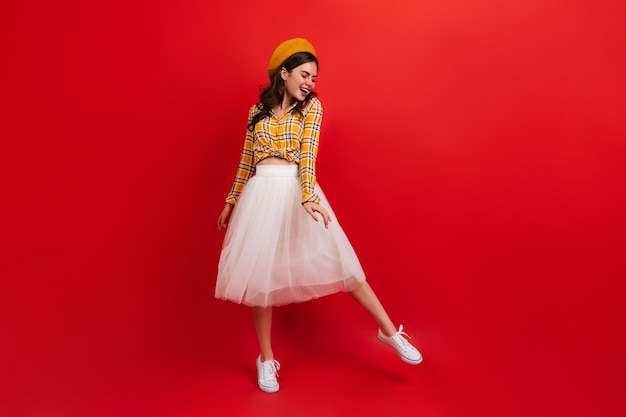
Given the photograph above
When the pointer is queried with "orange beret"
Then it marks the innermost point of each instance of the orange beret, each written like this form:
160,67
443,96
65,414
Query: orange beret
285,50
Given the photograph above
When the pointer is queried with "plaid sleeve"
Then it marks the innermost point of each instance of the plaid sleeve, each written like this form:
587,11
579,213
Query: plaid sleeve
246,164
308,149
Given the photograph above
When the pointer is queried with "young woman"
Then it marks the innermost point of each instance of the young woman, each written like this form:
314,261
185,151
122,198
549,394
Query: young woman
283,244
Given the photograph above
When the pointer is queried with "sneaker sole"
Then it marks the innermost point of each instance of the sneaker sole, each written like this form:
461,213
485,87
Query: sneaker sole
269,390
404,358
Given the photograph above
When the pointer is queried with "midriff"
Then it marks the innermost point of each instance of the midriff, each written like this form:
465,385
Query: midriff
273,160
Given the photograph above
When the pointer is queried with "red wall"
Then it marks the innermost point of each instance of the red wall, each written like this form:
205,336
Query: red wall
474,151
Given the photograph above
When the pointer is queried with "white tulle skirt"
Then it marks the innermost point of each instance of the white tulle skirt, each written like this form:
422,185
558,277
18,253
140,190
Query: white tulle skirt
274,253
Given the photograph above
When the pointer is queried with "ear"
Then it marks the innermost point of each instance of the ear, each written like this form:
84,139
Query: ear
284,73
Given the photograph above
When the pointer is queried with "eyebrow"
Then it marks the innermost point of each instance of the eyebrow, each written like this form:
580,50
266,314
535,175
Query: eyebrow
308,73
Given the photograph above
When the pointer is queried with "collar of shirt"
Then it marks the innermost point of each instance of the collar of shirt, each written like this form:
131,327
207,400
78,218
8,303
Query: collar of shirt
286,111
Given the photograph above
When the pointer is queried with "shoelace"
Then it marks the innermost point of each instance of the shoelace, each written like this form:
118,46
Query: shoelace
270,368
399,338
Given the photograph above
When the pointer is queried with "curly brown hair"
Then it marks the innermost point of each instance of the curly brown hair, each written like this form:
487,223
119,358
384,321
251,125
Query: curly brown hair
272,94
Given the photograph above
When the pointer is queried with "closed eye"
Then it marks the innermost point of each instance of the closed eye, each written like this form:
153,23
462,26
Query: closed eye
306,74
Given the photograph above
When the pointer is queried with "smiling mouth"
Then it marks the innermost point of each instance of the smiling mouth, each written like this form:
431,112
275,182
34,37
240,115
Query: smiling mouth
305,91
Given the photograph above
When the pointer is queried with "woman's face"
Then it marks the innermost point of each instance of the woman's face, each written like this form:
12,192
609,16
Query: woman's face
300,81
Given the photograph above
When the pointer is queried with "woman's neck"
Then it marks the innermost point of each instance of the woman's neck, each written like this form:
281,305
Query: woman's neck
282,108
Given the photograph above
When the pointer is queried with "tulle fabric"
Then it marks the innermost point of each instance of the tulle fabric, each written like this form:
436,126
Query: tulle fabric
274,253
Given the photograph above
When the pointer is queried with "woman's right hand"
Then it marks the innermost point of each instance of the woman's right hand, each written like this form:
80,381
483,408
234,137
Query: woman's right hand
222,221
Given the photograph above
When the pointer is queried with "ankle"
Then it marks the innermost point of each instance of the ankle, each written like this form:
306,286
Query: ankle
388,331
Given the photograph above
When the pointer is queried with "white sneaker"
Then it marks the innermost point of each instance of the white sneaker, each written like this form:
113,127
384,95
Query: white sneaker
401,345
267,372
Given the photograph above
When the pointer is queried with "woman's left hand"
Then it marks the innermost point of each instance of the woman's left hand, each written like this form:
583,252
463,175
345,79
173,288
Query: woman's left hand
313,208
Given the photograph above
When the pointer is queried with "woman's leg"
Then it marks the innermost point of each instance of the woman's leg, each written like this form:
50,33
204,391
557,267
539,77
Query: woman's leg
263,325
365,296
390,336
267,367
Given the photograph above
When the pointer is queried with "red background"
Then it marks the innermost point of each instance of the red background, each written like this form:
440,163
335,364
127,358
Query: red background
474,152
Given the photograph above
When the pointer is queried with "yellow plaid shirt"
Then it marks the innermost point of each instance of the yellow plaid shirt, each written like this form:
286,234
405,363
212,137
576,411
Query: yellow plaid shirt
293,137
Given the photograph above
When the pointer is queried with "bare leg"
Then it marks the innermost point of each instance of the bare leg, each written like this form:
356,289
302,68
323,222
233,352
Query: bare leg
263,325
365,296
